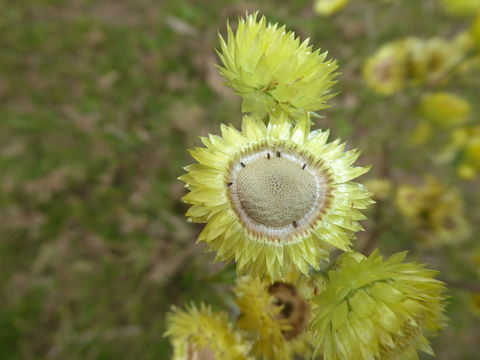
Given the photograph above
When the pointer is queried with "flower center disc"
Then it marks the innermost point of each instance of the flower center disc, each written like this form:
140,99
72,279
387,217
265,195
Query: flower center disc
277,192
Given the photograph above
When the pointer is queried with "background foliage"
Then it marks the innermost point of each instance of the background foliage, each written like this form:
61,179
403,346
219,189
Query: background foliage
98,102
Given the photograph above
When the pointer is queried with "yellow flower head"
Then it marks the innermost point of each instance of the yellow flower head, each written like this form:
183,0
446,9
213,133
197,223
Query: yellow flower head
329,7
275,196
199,333
377,309
434,211
431,61
474,258
273,71
275,318
384,71
461,7
444,109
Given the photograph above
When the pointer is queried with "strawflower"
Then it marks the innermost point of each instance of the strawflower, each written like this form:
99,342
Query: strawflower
377,309
200,333
273,70
275,196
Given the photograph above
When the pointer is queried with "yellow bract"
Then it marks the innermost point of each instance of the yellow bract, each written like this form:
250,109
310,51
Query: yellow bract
377,309
265,249
199,333
273,71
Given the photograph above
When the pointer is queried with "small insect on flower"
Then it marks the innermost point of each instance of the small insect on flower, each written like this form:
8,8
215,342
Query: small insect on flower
329,7
377,309
275,318
273,71
275,196
200,333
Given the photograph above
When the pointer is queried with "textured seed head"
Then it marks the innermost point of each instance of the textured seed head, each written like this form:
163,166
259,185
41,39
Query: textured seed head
277,192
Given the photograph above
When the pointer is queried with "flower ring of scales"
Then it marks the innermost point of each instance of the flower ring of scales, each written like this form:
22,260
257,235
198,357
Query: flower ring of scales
278,193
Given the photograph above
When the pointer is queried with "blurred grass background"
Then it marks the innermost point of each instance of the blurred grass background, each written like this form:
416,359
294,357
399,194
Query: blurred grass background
99,101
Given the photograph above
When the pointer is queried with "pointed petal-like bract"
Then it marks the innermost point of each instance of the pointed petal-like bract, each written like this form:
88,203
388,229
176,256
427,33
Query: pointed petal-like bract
273,71
376,309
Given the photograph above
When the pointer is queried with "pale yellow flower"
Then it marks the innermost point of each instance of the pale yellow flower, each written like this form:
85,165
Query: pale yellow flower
465,148
274,317
274,71
461,7
434,211
376,309
275,196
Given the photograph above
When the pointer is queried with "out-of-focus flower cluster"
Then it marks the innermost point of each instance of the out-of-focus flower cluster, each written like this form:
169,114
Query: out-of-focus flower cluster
411,62
434,211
